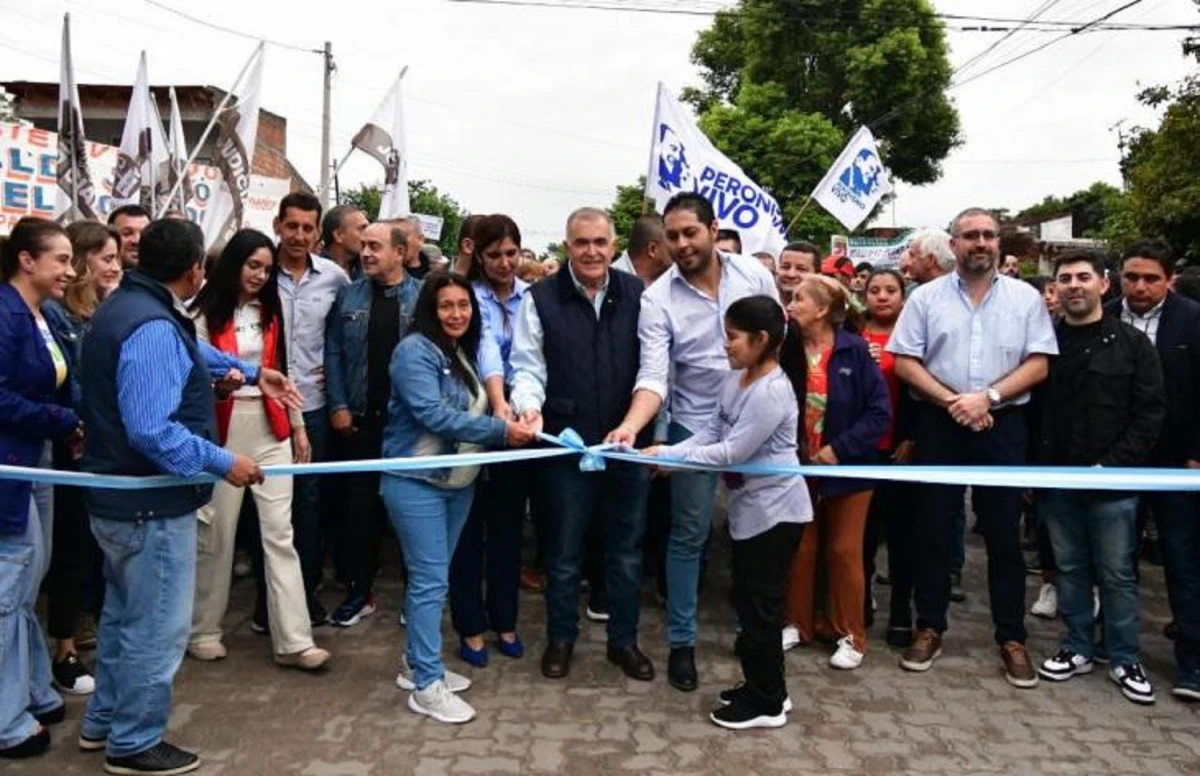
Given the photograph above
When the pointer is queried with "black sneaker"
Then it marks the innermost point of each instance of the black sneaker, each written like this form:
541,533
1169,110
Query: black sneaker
162,759
71,677
742,716
258,621
358,604
731,695
36,744
1065,665
957,594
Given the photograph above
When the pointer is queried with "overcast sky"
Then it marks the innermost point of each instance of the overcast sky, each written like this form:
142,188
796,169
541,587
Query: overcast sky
535,111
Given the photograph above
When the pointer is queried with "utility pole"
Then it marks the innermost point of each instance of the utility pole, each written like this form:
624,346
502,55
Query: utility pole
325,125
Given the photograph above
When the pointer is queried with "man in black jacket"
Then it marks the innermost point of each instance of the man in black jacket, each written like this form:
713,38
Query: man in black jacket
1104,406
1173,324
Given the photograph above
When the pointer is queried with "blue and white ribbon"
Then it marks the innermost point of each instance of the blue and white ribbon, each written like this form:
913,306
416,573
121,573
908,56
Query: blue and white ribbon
592,458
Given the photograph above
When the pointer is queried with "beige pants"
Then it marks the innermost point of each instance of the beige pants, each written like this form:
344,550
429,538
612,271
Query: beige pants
287,611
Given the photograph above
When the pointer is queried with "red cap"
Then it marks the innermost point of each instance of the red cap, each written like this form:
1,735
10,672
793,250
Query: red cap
834,265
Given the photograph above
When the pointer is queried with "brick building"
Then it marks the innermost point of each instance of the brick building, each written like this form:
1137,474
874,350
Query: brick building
105,106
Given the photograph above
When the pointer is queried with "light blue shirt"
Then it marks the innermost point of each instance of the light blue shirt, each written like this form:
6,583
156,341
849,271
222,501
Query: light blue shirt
528,361
682,334
306,304
152,369
624,263
499,324
967,348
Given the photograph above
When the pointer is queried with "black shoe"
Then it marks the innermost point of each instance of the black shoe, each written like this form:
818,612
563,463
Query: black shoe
632,662
71,677
162,759
957,594
741,715
31,747
681,669
52,717
556,661
899,636
317,616
1171,631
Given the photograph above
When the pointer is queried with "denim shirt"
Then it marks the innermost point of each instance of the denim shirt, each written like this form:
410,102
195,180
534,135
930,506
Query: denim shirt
346,340
429,398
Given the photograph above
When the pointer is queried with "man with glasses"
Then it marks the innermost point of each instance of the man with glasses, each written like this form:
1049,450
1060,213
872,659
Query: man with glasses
970,345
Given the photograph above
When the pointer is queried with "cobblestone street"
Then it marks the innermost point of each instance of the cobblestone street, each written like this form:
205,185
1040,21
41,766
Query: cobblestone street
247,716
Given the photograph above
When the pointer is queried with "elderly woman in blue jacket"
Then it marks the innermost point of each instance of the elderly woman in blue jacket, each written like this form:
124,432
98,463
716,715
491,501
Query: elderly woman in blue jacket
438,407
34,407
845,411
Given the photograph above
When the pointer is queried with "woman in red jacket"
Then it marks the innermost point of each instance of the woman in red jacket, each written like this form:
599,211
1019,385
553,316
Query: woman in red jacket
239,312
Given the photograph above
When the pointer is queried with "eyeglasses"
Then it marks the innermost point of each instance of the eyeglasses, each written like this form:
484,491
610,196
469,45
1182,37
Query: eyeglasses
975,234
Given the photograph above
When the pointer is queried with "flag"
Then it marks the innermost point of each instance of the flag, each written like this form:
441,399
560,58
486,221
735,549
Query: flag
237,132
143,150
855,183
176,164
683,159
383,139
75,198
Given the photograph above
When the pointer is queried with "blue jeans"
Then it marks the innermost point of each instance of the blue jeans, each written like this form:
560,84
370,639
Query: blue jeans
306,503
1178,518
24,661
150,573
427,520
616,497
1101,537
693,498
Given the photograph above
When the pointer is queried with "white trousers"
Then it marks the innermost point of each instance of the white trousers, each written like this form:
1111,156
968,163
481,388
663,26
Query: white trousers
287,611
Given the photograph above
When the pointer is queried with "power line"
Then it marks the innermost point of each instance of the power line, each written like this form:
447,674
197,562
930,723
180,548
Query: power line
231,31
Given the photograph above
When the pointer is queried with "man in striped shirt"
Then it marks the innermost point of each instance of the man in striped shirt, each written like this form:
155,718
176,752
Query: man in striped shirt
148,409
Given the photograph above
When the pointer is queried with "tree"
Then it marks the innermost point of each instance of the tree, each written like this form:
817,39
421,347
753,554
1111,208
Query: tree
629,205
849,62
425,199
1092,209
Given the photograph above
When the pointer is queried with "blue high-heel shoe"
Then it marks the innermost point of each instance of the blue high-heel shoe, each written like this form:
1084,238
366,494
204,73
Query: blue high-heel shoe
513,649
476,657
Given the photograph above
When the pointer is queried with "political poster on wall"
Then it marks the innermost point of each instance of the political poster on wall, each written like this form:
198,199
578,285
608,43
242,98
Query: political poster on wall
29,181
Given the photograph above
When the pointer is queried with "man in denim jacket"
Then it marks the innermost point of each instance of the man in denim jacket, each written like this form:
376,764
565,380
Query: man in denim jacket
367,320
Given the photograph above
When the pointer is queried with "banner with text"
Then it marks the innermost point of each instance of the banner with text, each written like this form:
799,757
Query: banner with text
28,181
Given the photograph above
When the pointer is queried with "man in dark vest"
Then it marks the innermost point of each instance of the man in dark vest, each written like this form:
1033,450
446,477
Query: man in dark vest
575,361
148,409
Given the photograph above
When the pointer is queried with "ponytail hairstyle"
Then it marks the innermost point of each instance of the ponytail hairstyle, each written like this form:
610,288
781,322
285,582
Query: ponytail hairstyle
30,235
759,314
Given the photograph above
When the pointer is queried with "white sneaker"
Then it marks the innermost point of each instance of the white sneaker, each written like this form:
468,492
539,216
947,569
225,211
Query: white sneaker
1064,665
847,657
1046,605
1133,683
438,702
791,637
404,679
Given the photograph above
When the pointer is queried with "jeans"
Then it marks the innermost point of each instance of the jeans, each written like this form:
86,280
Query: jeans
760,568
958,532
491,540
24,661
693,498
427,521
306,509
617,496
150,567
1178,518
1101,536
942,441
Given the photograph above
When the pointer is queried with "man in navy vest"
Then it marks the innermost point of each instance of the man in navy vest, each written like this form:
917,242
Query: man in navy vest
575,362
148,409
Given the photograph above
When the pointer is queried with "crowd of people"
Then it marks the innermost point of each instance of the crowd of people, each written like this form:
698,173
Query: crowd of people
125,351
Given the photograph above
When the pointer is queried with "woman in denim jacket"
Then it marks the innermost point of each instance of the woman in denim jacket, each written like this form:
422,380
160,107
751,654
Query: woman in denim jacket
438,407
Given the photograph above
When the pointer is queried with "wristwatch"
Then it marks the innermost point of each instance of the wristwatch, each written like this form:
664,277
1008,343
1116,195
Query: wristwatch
993,397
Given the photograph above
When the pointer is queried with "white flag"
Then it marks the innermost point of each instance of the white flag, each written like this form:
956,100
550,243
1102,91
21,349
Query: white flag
177,156
683,159
143,149
383,138
855,183
237,132
75,197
